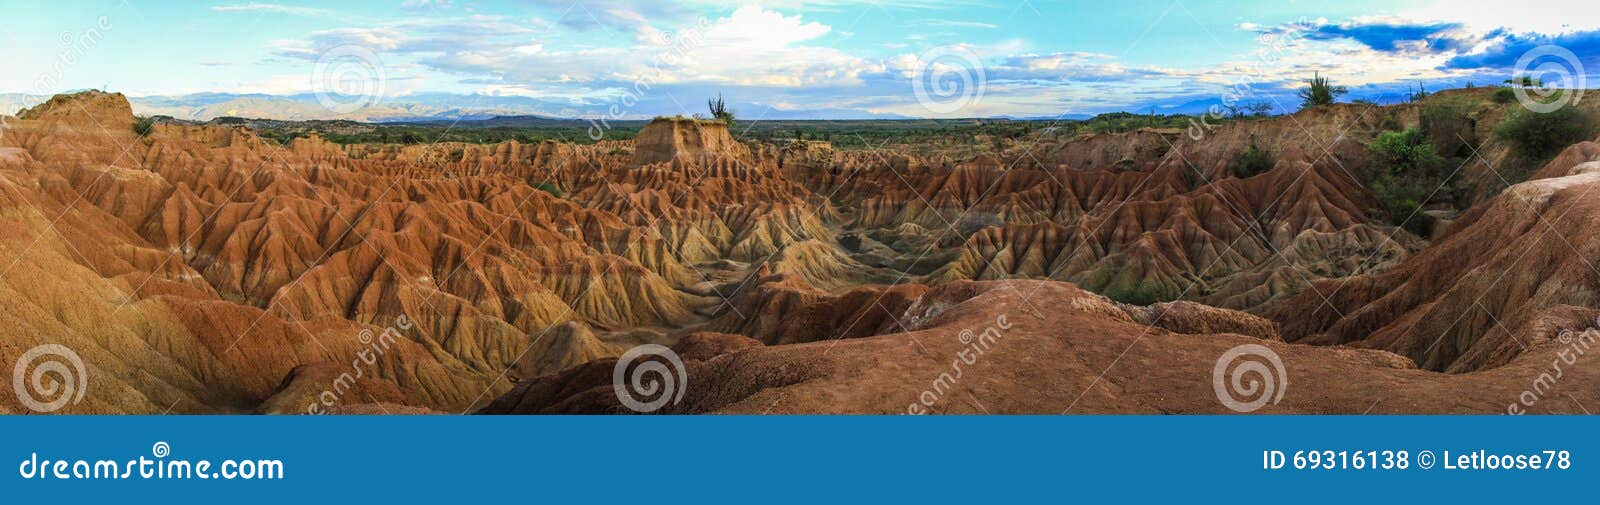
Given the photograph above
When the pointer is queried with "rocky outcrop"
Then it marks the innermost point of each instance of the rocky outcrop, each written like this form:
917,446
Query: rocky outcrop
97,110
1197,319
783,309
669,138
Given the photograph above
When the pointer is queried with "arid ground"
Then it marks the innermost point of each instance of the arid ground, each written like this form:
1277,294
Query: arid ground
203,268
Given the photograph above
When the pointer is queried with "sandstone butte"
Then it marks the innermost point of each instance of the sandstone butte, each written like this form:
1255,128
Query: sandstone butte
202,269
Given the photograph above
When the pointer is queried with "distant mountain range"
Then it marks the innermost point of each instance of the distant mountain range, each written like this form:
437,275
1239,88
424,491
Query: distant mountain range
424,107
299,107
417,107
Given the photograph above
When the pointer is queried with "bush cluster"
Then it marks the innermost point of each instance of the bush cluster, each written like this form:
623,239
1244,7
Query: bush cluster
1539,136
1504,95
143,125
1254,161
1407,176
548,188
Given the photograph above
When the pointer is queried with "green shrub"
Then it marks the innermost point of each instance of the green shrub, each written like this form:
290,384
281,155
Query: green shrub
1541,135
1320,91
1142,292
1504,95
1404,152
1253,161
1407,177
1403,198
548,188
143,125
1125,283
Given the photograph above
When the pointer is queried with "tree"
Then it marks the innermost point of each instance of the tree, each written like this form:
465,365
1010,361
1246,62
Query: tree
1234,111
1418,95
1320,91
720,110
1526,81
1259,109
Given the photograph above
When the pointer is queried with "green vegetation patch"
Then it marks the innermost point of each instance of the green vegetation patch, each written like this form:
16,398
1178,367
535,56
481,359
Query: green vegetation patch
1539,136
1408,176
548,188
143,125
1320,91
1252,162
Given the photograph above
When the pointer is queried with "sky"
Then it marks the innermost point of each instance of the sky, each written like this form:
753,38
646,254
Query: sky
916,58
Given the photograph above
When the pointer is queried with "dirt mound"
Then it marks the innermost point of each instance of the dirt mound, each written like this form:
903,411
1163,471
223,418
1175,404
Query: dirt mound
588,388
1049,348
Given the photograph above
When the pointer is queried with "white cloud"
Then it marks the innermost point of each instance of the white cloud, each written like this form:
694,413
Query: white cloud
275,8
762,29
418,5
1545,16
750,47
957,24
605,48
427,36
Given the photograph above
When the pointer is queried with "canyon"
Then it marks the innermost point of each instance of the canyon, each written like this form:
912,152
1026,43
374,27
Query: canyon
204,269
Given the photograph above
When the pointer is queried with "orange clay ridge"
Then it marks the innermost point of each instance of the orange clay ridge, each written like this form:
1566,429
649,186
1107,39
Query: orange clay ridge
202,269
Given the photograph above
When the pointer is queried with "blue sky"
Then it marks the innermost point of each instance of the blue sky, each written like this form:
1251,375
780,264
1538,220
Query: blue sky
637,59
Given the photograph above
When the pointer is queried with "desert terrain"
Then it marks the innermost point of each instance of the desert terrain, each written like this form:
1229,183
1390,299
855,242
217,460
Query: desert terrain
204,268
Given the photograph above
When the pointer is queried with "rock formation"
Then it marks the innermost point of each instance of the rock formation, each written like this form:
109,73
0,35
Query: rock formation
201,268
